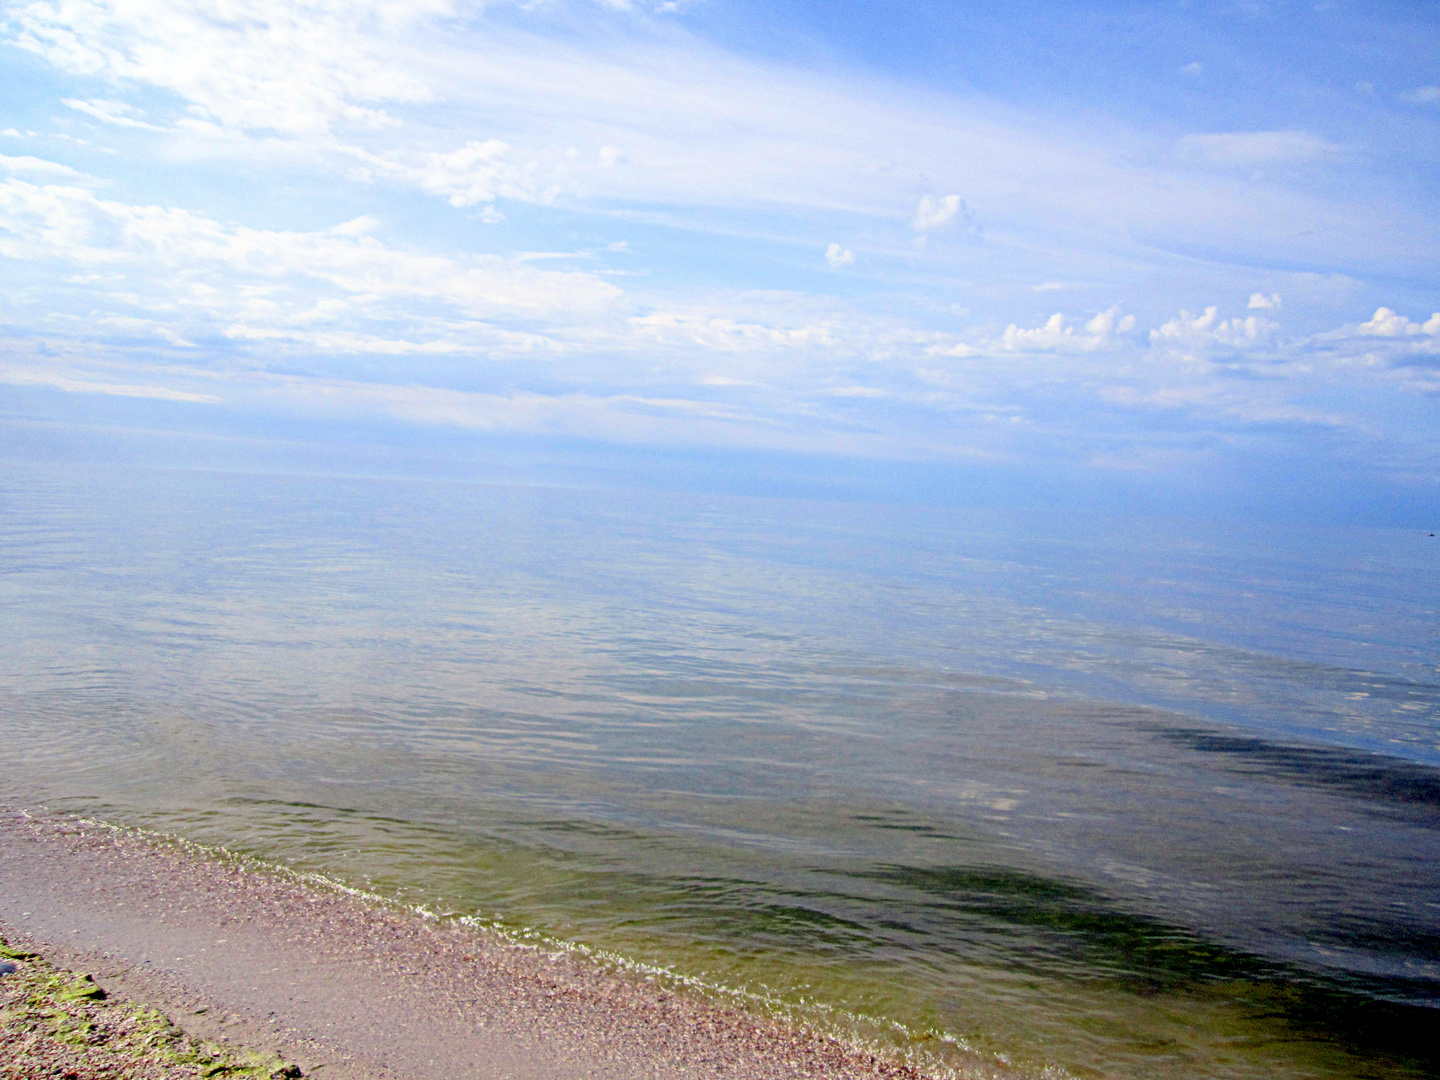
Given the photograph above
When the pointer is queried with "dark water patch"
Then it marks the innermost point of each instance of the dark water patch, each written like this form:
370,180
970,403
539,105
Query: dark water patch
1414,944
1389,1020
892,823
323,811
1378,1031
1366,775
882,762
1101,940
796,920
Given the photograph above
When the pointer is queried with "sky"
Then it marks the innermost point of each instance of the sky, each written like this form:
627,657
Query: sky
1171,254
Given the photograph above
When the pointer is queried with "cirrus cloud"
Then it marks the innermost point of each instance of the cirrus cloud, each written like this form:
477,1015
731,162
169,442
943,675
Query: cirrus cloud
1254,149
298,67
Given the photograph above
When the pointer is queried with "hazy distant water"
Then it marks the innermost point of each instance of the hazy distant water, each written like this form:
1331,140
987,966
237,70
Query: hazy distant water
1146,799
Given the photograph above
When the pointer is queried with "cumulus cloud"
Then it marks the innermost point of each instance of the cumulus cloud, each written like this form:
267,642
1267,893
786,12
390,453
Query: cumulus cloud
1230,373
1057,335
1106,323
932,213
351,91
1422,95
762,369
1388,349
1208,330
328,78
1254,149
1386,323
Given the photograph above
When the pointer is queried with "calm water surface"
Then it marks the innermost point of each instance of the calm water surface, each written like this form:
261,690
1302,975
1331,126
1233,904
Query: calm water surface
1084,796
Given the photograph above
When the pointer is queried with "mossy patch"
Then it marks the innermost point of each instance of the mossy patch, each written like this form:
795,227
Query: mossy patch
62,1023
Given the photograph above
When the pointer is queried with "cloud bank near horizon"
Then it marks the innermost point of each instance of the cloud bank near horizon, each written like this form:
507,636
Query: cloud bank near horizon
604,222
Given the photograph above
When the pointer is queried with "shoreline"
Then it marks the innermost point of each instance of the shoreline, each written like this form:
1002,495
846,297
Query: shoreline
349,987
59,1022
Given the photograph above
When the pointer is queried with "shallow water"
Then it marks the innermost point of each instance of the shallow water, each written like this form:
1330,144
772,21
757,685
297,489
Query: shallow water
1105,797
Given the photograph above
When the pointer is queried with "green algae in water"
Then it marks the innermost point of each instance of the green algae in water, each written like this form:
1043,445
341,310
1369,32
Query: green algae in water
1037,973
1033,784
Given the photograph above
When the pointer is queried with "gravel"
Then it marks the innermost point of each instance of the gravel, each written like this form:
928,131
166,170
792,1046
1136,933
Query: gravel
239,954
61,1023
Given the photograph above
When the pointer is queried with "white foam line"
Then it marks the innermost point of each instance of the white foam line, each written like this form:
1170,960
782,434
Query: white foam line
531,939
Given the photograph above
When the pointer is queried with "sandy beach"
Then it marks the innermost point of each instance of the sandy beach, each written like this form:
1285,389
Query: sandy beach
348,988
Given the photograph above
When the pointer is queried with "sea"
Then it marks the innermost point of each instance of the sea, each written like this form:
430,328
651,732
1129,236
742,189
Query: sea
1016,793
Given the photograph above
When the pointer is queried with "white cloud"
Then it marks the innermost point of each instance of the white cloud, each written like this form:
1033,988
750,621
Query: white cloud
1386,323
768,369
130,326
1387,350
378,100
1105,323
294,66
724,333
110,112
932,213
959,350
1208,329
1050,336
178,260
348,342
1254,149
19,376
41,169
360,226
1247,404
701,128
1194,69
477,172
1056,335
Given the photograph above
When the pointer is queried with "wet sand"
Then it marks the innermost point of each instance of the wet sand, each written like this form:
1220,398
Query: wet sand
347,988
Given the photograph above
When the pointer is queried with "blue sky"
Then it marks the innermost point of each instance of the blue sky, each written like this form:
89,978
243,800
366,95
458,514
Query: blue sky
1186,247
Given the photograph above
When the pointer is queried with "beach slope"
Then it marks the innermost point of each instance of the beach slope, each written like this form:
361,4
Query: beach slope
348,988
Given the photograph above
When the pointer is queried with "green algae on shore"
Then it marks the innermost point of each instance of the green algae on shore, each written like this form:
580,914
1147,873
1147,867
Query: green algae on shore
56,1022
